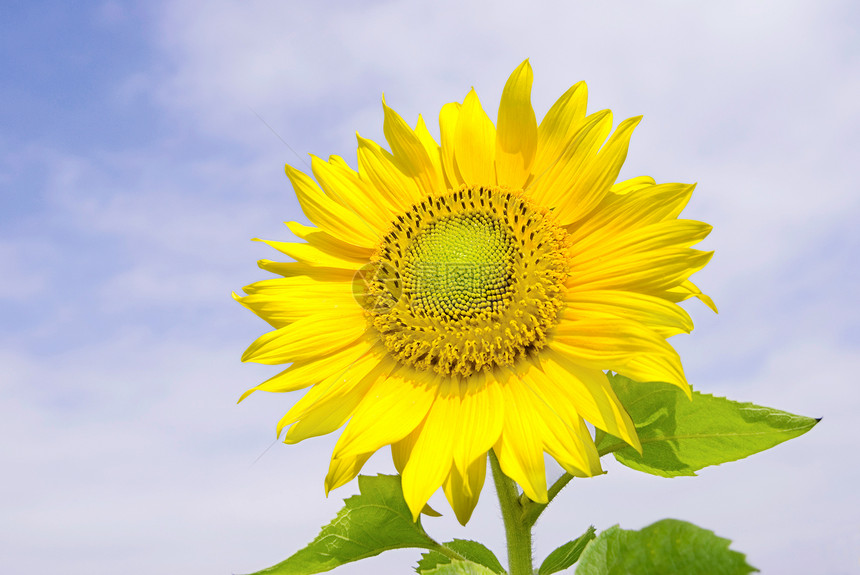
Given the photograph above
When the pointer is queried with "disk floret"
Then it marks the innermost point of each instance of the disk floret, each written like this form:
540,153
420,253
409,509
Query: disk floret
469,280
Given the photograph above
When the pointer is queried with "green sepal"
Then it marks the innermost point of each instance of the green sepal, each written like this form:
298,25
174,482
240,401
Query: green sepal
459,568
470,550
668,546
567,554
680,436
375,521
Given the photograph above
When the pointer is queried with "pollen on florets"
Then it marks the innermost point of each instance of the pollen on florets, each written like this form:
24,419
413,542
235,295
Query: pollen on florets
467,281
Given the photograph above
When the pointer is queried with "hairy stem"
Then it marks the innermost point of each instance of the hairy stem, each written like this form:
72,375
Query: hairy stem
517,532
532,510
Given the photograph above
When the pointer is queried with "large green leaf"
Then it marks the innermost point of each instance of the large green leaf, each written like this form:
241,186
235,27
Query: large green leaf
566,555
460,568
374,521
470,550
668,547
680,436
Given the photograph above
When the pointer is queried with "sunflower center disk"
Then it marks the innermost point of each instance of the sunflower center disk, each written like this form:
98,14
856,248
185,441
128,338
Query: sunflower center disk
460,266
467,281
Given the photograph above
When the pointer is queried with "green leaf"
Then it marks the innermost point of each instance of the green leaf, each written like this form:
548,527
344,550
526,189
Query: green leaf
680,436
566,555
471,550
460,568
669,546
374,521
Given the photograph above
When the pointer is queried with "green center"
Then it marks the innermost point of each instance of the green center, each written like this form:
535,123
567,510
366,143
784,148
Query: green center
459,266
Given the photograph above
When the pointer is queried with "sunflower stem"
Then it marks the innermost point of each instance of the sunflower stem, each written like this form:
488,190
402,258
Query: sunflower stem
517,531
533,510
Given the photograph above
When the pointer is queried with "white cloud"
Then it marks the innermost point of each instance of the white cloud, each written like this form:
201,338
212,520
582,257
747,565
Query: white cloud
20,280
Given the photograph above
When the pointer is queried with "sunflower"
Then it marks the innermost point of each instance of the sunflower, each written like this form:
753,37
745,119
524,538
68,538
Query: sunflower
469,296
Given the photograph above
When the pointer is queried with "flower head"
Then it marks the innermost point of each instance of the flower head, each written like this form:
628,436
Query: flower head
465,296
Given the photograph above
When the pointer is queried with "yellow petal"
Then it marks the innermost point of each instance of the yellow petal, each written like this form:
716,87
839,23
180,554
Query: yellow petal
589,450
282,310
324,241
520,449
401,450
464,489
330,402
632,185
624,346
482,408
281,301
662,316
589,391
318,420
342,471
619,242
688,289
642,206
552,187
292,269
474,143
432,455
340,163
302,374
309,337
650,272
316,284
312,256
558,127
558,426
391,409
379,168
346,188
330,215
434,152
410,154
516,134
593,183
448,118
631,211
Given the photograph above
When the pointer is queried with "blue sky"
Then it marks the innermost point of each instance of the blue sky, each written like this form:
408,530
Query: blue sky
134,171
